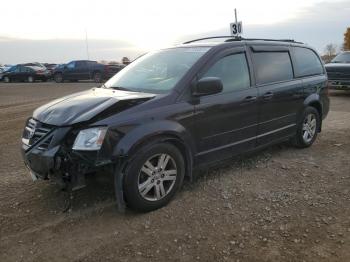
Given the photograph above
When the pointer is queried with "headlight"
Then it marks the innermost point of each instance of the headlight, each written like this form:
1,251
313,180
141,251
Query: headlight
90,139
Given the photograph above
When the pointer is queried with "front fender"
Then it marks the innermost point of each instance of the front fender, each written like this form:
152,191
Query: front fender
144,133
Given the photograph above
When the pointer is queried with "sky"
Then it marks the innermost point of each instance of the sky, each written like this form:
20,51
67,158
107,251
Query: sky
51,31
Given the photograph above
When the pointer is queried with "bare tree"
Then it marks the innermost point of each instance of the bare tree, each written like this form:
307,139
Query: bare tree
330,50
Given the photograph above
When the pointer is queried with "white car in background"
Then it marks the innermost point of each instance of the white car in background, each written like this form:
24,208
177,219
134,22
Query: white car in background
3,69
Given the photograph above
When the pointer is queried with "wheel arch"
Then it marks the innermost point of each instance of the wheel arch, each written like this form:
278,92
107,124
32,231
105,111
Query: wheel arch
164,131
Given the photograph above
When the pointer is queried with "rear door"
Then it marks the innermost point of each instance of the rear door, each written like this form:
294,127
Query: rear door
21,74
226,123
280,94
82,70
309,68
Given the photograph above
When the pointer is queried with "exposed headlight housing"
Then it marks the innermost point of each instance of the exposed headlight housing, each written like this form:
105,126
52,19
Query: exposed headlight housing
90,139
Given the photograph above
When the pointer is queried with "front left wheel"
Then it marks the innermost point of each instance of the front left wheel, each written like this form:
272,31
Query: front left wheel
153,176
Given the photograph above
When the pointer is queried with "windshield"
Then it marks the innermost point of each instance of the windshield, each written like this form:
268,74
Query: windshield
342,58
156,72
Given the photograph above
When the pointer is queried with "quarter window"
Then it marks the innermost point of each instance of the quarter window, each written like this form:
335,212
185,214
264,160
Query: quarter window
233,72
307,62
272,67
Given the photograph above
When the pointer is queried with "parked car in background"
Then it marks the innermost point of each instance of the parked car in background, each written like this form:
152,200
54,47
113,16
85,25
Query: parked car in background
338,71
2,70
35,64
24,73
84,70
50,67
176,109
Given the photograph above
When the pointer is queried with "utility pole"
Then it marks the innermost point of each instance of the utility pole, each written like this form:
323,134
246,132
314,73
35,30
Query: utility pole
87,44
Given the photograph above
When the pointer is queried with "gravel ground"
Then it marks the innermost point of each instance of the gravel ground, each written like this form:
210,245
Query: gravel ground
280,204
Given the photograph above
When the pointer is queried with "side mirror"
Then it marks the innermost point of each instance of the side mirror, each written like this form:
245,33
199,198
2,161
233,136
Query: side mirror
207,86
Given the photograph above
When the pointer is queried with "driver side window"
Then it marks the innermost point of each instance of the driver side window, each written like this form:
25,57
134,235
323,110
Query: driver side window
71,65
233,71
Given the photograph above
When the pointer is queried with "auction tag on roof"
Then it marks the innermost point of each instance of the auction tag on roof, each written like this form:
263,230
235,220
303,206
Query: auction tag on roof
236,29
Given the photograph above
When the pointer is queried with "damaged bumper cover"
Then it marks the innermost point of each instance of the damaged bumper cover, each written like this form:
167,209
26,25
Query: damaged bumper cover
48,154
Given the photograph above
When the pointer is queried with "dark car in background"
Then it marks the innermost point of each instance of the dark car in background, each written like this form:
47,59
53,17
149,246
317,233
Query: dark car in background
2,70
338,71
22,73
84,70
176,109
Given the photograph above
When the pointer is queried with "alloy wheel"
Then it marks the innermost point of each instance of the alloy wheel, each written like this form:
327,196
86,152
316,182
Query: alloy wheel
157,177
58,78
309,127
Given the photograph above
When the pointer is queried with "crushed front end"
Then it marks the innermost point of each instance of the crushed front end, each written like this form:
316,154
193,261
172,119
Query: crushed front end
48,153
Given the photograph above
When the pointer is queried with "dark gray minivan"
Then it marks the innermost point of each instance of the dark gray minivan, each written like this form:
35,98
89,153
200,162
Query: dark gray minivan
175,109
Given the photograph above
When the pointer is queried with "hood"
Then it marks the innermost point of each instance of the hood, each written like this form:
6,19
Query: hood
84,106
335,66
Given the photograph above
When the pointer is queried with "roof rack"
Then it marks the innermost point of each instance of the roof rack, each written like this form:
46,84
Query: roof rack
233,38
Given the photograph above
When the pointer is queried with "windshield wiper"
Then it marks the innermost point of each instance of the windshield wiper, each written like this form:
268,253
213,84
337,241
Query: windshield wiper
116,87
120,88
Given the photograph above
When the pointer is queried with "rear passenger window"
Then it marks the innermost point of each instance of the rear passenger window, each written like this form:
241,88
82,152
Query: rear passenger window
233,72
307,62
272,67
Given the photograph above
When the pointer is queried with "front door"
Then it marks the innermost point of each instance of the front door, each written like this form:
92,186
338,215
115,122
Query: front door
70,72
226,123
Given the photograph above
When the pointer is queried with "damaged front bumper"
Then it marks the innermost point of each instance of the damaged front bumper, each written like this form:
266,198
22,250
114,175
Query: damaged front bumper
47,154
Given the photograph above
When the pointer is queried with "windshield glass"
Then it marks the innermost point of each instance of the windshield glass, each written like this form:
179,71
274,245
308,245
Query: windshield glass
157,72
342,58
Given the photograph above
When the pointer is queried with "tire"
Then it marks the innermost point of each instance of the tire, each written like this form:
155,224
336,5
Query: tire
58,78
307,128
30,79
147,191
7,79
97,77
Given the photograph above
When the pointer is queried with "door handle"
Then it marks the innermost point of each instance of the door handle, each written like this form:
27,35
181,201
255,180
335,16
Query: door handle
250,99
267,95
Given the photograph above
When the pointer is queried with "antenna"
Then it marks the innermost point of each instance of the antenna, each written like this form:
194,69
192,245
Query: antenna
236,21
87,44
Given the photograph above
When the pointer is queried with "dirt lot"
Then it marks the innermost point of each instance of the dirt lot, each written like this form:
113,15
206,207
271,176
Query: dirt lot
281,204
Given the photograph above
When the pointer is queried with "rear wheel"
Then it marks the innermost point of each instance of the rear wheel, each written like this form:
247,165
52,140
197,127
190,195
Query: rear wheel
58,78
30,79
307,128
7,79
97,77
153,176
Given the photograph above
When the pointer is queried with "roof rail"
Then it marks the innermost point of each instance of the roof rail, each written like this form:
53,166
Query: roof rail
206,38
233,38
